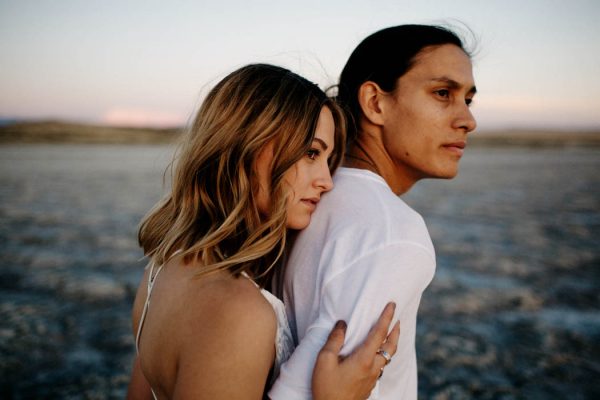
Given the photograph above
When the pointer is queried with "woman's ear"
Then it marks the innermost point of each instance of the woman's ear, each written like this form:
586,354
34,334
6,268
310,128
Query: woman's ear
370,97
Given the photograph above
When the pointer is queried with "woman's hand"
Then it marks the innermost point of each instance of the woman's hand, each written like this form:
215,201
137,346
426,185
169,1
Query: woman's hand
354,376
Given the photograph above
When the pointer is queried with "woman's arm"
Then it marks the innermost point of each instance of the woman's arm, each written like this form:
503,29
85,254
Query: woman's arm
138,388
354,376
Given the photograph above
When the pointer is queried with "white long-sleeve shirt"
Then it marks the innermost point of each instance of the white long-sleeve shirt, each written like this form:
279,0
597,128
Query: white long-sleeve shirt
364,247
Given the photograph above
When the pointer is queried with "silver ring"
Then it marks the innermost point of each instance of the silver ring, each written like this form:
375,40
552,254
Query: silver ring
380,373
385,355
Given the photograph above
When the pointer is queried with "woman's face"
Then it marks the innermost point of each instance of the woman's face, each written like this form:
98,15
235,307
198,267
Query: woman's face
307,179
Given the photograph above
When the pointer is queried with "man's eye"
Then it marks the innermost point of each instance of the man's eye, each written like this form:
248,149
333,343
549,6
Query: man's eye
313,153
443,93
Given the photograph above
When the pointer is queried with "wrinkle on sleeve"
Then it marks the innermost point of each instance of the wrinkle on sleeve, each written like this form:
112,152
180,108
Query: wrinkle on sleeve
398,273
357,294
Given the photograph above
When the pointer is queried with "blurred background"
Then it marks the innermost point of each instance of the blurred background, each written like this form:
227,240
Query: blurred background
93,96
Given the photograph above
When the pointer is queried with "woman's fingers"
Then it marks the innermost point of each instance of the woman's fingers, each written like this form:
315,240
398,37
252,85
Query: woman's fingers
379,346
355,376
335,341
386,351
329,374
379,331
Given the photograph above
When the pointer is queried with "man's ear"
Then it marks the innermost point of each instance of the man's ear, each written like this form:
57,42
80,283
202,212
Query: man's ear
370,97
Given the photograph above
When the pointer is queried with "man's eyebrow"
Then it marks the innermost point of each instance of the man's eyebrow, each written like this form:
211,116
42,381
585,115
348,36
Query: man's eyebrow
322,142
452,84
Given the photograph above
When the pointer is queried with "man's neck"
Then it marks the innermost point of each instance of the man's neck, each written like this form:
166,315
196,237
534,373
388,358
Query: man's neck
370,154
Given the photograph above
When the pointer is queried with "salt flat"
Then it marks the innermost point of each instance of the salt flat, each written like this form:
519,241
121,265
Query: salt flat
511,313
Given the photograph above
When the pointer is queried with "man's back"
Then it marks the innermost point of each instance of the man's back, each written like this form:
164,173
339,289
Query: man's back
364,248
406,92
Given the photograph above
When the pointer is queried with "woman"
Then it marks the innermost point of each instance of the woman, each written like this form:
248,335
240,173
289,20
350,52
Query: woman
254,164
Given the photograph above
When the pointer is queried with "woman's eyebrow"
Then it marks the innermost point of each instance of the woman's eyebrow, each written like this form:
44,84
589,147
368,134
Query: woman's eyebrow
321,142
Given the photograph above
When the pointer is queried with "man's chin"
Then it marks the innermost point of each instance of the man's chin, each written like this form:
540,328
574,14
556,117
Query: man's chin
447,173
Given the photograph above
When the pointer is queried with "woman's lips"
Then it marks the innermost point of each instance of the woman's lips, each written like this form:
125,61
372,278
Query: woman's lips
310,203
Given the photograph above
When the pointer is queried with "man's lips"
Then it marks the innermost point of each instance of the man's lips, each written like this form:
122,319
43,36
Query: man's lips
456,147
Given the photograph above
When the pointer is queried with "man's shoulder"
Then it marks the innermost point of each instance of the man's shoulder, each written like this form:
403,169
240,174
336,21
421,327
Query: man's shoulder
359,215
362,199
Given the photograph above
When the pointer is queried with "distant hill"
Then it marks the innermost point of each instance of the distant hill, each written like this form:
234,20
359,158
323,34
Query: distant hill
66,132
535,138
8,121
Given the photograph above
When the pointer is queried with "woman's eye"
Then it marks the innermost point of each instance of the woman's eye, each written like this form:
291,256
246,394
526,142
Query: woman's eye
313,153
468,102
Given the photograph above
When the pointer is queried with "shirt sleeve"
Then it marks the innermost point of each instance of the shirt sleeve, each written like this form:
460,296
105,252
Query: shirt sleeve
357,293
295,375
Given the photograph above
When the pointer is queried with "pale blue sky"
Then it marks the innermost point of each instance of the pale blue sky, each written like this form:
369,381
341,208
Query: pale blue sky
148,62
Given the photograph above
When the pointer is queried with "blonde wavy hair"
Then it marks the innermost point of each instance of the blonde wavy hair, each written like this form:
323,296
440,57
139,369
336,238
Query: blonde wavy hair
211,212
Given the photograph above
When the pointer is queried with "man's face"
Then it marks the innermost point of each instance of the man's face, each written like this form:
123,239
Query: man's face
426,118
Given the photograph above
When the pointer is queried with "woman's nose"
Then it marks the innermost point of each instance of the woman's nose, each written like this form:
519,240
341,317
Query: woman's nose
324,180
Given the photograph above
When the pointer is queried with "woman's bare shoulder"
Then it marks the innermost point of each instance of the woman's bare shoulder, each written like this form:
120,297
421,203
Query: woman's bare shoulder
233,305
233,339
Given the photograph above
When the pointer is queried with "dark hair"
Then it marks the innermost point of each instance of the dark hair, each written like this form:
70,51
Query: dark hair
383,57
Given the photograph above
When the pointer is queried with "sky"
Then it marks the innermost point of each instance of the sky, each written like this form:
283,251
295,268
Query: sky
148,63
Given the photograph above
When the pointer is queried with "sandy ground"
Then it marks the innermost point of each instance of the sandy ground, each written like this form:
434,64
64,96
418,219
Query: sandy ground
512,312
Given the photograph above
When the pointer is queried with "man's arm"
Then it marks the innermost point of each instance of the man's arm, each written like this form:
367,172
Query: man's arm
397,273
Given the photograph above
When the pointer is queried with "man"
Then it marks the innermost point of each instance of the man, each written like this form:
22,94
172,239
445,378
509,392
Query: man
407,91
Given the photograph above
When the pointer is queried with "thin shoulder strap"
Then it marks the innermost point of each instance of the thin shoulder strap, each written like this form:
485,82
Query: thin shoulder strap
244,274
151,281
